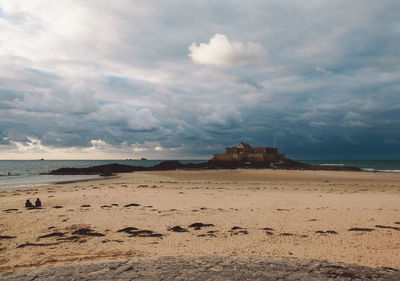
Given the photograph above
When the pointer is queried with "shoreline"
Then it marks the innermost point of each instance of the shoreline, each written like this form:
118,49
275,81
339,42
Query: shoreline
116,175
114,168
39,182
271,213
100,178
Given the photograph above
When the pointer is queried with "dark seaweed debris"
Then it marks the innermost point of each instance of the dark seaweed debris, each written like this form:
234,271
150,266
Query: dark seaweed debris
129,229
10,210
71,238
132,205
177,229
54,234
267,228
7,237
145,233
238,230
327,232
387,226
37,244
200,225
361,229
86,232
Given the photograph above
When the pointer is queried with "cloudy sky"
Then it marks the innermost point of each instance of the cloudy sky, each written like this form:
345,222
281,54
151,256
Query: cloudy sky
183,79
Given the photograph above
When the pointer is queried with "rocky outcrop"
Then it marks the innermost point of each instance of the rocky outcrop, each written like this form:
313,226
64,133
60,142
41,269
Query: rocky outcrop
97,170
110,169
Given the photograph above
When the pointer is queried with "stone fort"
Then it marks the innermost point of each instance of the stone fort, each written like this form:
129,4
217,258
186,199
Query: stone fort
243,152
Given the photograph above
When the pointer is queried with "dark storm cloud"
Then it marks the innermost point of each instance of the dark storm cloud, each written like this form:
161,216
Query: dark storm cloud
321,76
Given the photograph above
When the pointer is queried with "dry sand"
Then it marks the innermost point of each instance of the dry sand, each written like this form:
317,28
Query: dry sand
302,214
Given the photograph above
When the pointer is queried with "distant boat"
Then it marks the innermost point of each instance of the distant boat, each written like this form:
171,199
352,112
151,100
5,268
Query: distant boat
42,159
143,159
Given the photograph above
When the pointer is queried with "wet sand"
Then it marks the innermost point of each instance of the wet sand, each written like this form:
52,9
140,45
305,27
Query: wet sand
350,217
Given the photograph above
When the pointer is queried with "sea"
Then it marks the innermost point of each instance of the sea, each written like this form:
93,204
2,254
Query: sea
28,172
389,166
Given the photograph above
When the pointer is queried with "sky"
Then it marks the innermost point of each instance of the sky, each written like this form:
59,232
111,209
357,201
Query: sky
184,79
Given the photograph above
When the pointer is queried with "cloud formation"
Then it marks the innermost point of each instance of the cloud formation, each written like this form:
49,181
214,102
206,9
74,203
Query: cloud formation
220,51
88,79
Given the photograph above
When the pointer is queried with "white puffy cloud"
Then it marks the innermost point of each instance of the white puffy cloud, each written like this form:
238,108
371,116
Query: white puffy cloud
220,51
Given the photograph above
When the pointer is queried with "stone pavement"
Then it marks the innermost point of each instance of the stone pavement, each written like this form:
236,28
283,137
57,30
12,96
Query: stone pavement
208,268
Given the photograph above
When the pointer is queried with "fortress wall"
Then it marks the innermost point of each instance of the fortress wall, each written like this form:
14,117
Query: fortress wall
230,150
252,150
281,156
265,150
274,157
255,158
223,157
249,154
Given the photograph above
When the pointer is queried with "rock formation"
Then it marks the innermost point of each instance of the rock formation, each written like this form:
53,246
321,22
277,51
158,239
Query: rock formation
241,156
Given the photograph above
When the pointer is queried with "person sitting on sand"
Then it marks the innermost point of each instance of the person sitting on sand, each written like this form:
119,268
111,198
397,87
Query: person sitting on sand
28,204
38,203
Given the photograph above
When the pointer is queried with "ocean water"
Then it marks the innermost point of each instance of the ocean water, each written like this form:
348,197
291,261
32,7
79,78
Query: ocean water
25,172
392,166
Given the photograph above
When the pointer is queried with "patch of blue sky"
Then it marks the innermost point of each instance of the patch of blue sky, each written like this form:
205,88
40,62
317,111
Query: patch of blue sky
43,74
118,81
9,95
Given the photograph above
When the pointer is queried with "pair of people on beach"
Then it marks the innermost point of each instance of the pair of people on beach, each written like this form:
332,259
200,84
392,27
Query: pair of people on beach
28,203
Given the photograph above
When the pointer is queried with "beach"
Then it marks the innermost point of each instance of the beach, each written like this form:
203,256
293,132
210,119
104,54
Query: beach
349,217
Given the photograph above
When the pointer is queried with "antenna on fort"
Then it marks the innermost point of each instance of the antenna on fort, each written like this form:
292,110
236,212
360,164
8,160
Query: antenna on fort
274,141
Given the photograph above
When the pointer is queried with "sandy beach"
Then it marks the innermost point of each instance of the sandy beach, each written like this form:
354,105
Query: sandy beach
350,217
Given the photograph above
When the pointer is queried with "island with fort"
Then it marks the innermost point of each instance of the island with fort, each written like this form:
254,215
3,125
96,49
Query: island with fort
243,155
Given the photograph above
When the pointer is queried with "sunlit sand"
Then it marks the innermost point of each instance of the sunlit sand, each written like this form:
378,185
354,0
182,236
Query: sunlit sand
351,217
